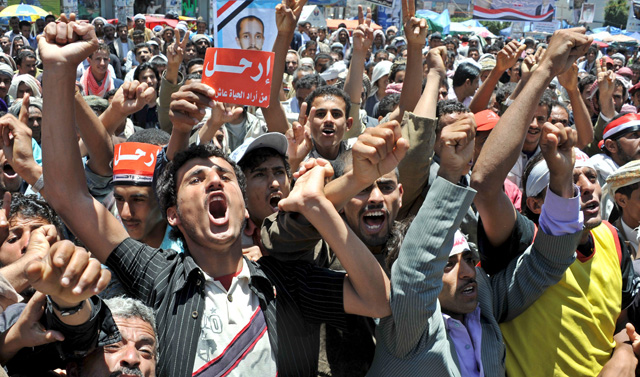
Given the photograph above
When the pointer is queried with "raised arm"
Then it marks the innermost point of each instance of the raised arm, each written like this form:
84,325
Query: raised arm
362,40
416,34
287,15
94,137
606,86
417,273
507,58
366,286
504,144
62,47
170,82
569,81
129,98
526,278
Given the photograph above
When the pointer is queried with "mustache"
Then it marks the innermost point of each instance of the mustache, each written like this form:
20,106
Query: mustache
125,370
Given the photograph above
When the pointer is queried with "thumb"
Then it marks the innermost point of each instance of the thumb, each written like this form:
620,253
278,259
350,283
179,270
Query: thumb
631,332
39,241
402,146
34,271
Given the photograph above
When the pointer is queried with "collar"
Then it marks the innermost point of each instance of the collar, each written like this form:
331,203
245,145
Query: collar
190,271
472,318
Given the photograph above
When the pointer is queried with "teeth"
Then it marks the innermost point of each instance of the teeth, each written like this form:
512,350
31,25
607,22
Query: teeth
376,213
217,198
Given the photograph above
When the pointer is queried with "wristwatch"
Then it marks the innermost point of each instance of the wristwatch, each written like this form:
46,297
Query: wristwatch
65,311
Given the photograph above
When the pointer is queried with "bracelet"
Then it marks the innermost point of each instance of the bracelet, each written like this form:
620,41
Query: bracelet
39,185
65,312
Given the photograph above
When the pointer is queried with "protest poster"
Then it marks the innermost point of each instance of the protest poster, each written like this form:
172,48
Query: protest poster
509,10
239,77
588,11
245,24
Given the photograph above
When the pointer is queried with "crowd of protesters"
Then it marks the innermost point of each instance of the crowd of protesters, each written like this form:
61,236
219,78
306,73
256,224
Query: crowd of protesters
408,204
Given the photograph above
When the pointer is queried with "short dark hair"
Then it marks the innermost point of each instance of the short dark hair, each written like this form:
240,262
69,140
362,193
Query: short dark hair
153,136
167,188
101,47
395,68
139,46
247,18
258,156
30,206
309,81
464,72
627,191
388,103
23,54
137,33
449,106
193,62
24,23
381,52
110,93
310,43
329,90
193,76
121,25
588,80
548,100
505,91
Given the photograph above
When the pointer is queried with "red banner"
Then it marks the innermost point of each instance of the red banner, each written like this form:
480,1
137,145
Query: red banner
241,77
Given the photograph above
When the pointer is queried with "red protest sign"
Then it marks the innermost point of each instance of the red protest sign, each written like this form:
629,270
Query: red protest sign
241,77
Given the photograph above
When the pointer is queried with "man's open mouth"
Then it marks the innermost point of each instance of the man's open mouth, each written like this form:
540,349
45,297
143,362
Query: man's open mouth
374,220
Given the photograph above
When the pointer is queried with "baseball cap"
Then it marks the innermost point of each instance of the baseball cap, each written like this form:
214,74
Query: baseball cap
486,120
273,140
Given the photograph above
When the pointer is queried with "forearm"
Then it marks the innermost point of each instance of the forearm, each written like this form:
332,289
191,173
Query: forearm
581,118
483,95
353,87
428,102
178,141
95,137
63,170
274,114
411,87
111,119
167,88
14,272
505,142
607,107
340,190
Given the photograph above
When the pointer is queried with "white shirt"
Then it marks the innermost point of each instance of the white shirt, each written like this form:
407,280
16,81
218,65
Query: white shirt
632,236
234,336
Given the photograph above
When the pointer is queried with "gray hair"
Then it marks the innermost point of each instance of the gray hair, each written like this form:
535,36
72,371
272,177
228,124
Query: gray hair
126,307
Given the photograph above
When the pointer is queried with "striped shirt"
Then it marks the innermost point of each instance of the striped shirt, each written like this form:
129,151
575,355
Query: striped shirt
295,295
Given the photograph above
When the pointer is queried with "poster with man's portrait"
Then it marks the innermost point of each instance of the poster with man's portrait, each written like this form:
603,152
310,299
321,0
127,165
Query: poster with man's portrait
246,24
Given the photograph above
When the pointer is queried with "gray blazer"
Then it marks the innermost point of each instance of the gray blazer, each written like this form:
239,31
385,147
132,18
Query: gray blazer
413,340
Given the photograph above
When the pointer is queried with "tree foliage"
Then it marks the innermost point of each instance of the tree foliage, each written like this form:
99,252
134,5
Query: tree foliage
616,13
495,26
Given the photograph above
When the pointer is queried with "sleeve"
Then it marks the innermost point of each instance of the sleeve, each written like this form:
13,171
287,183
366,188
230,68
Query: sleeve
99,186
137,265
526,278
164,100
598,131
560,215
289,236
416,276
496,258
630,280
414,168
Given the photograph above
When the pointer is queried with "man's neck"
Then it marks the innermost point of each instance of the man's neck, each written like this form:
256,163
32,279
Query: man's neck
124,39
217,263
330,153
459,91
98,76
155,237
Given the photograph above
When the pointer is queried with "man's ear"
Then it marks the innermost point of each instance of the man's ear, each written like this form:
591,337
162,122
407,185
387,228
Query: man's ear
172,216
349,123
621,200
401,191
535,205
611,146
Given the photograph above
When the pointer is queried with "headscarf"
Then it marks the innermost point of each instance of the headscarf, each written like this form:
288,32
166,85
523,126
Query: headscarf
8,60
25,40
30,81
17,104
